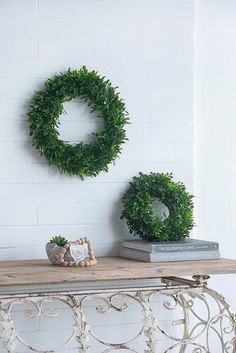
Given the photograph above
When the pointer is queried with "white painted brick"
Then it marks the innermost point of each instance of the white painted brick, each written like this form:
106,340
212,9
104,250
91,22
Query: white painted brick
17,173
160,33
20,67
24,253
162,57
23,46
13,87
157,152
166,3
82,10
43,68
37,236
152,132
120,172
20,253
69,27
159,58
128,87
46,174
172,86
12,108
14,130
69,9
13,215
62,48
170,112
102,49
76,193
18,26
170,75
173,12
78,48
71,214
26,8
33,67
154,14
18,152
152,53
146,26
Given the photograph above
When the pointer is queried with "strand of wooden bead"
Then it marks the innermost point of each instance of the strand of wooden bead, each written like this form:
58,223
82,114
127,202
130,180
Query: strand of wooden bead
82,241
87,263
65,248
62,252
91,261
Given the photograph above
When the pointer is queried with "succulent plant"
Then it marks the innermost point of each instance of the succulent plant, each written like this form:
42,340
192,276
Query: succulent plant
59,240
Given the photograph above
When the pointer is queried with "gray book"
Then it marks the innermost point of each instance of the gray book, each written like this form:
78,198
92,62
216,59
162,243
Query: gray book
172,246
168,256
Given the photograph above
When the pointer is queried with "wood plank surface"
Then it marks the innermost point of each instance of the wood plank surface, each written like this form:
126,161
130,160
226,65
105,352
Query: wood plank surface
29,272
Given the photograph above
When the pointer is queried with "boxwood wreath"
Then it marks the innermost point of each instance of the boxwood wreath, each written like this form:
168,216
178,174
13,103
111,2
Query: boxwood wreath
46,107
138,208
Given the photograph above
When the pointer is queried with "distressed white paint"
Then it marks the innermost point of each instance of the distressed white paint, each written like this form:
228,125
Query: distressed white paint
194,320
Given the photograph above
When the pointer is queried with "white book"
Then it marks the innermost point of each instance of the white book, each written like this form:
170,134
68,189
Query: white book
169,256
187,244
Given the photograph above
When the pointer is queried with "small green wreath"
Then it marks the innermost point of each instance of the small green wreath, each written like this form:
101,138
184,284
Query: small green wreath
138,208
47,106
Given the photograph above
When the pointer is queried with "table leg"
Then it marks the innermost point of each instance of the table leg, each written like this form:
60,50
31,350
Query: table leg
81,327
8,334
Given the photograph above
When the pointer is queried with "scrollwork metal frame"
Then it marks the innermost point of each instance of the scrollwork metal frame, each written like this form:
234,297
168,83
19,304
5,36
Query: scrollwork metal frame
176,293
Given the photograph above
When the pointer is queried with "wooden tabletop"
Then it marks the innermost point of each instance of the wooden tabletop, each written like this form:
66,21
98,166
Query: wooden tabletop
31,272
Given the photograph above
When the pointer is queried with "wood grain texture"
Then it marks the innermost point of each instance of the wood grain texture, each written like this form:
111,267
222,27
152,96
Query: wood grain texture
28,272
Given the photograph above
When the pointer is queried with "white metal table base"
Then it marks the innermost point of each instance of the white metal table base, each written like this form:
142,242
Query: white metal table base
177,293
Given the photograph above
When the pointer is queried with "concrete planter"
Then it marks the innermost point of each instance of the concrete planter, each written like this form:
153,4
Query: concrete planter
58,254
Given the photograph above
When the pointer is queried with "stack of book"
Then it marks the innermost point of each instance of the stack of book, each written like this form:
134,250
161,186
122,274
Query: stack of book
182,250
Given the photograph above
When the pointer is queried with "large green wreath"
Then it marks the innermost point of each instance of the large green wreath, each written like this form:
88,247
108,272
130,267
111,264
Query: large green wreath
47,106
138,208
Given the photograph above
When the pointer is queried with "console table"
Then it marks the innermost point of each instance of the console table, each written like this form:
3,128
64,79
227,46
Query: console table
117,282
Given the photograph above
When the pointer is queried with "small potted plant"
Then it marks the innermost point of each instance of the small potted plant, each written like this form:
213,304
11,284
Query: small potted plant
60,251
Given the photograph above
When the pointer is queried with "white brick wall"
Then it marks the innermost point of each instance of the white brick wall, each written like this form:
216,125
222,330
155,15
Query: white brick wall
146,48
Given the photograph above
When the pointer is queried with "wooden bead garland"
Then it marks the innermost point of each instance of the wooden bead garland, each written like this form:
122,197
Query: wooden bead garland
90,261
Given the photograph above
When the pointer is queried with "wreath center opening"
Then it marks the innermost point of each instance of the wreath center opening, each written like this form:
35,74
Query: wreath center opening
160,209
78,124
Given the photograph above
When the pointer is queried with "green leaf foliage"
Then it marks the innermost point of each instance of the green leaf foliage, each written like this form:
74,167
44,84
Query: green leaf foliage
59,240
138,208
44,119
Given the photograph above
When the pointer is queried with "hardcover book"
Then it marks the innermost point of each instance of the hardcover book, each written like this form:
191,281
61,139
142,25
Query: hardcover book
172,246
169,256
